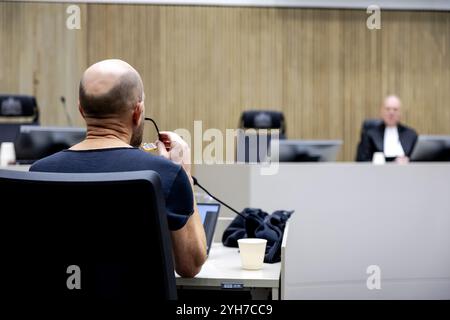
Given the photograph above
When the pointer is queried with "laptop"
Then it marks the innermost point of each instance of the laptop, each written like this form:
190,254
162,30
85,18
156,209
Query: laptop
209,214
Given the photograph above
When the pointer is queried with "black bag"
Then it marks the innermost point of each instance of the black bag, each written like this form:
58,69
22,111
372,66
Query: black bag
259,224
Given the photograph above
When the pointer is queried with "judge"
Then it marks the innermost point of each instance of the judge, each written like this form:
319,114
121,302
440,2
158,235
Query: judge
394,139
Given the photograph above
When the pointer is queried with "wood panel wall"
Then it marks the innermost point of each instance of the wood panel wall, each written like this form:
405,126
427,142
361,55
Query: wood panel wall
323,68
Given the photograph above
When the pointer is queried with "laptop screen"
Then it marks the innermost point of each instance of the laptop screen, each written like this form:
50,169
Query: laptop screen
205,208
209,213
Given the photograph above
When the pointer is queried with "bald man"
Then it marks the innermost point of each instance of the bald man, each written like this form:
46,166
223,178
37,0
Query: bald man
111,101
392,138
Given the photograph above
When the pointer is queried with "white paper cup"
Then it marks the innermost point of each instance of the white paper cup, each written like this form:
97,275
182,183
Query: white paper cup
7,154
378,158
252,252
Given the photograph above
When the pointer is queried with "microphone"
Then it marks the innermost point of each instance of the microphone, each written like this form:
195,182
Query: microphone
69,119
209,194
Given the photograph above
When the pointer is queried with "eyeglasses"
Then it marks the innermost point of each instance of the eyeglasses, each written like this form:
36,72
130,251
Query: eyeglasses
151,146
156,126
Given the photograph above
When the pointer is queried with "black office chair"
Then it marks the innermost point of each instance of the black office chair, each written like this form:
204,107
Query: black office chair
113,226
263,119
367,125
16,110
253,147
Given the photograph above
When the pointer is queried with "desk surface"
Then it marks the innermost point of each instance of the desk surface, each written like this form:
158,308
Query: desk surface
17,167
223,266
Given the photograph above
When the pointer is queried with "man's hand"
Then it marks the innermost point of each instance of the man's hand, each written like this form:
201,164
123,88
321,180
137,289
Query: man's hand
174,148
402,160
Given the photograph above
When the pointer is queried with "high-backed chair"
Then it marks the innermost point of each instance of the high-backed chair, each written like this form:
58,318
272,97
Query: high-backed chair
255,146
263,119
106,232
16,110
367,125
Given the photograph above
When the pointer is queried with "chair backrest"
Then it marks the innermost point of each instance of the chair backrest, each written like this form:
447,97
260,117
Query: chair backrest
16,110
369,124
111,226
263,119
19,106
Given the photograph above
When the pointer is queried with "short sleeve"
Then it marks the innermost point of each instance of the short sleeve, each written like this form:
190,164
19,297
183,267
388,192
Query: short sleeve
180,201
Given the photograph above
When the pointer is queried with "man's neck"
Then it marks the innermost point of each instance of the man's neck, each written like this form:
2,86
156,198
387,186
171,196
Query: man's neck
99,138
100,143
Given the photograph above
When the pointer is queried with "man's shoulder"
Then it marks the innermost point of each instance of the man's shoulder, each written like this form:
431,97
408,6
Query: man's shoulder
48,161
407,129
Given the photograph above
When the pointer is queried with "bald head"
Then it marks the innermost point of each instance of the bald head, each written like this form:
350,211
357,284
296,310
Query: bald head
390,110
109,88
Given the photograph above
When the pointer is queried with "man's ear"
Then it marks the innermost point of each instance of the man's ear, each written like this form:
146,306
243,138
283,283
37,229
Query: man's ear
81,109
137,113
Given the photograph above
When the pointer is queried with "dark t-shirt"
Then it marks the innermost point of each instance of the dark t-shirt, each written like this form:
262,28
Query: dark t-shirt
175,182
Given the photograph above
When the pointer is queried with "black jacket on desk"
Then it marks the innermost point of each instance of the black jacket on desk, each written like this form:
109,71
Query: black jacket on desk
372,141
